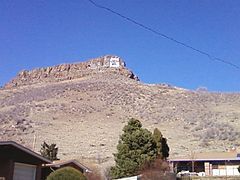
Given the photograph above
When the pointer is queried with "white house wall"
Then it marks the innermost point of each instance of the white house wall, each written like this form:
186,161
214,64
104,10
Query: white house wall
226,171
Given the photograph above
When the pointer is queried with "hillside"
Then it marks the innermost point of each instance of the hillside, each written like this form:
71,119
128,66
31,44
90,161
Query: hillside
83,107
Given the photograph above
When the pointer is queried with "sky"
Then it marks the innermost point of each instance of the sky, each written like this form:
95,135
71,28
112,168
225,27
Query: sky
44,33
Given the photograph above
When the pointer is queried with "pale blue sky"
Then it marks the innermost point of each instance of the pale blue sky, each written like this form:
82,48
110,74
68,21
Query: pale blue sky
49,32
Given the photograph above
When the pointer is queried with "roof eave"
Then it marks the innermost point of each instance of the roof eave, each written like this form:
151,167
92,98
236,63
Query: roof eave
29,151
216,159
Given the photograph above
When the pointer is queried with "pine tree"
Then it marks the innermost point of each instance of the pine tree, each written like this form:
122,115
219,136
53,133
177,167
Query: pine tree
162,146
135,148
157,136
165,148
49,151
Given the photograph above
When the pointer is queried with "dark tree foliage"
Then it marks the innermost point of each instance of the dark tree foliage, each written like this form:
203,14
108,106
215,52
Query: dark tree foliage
136,147
162,146
165,148
157,136
49,151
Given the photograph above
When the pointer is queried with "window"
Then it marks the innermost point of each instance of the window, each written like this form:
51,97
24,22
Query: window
24,172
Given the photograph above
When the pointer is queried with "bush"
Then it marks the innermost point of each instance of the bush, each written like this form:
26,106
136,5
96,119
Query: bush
49,151
158,169
95,174
66,173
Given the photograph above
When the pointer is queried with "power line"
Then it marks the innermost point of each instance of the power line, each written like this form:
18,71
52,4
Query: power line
213,58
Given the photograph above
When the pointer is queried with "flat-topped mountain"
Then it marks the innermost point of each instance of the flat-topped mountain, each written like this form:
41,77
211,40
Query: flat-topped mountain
108,63
83,107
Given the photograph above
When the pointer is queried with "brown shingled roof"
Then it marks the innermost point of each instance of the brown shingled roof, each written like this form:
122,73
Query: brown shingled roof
64,162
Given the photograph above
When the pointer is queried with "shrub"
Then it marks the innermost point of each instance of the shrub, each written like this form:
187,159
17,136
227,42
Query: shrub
158,169
49,151
95,174
66,173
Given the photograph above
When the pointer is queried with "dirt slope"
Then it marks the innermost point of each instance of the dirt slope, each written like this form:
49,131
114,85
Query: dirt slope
84,115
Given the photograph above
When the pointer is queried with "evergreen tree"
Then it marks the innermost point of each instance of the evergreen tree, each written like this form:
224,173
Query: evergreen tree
49,151
157,136
162,146
165,148
135,148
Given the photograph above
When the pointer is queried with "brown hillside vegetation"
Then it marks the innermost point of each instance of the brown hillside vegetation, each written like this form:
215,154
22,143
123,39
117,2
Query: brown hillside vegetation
84,111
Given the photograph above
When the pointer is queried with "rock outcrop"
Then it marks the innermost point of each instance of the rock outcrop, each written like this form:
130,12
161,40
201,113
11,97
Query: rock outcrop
106,64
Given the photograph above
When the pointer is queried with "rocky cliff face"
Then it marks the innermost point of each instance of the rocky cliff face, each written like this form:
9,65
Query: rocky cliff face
106,64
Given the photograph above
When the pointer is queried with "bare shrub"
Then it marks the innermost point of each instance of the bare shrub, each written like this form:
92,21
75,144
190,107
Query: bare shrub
107,175
159,169
204,143
198,128
94,176
95,173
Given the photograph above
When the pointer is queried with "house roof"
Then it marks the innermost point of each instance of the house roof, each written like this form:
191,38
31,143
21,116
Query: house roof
60,163
24,149
210,156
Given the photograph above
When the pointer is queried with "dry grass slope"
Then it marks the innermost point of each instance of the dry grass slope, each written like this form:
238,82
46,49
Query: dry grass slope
85,116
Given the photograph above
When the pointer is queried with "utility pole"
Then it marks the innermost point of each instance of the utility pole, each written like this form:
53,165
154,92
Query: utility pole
192,154
34,142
